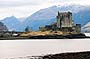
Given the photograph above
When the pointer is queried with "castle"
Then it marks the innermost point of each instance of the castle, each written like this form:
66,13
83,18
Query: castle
64,23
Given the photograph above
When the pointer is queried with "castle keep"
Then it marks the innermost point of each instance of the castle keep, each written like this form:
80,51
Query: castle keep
64,20
64,23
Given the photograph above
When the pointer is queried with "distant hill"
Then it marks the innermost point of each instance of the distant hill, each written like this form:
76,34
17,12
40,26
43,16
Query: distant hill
81,15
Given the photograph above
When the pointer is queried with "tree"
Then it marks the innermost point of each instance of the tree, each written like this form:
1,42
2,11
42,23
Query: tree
27,29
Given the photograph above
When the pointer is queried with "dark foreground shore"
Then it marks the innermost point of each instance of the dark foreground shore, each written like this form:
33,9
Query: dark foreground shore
73,55
70,36
68,55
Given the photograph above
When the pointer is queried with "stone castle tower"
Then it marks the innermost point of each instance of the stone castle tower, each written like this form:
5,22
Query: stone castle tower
64,20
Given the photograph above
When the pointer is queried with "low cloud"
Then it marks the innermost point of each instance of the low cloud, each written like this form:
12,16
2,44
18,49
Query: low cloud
16,3
22,8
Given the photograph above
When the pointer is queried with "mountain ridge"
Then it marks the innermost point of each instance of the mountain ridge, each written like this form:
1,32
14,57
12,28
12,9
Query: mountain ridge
48,15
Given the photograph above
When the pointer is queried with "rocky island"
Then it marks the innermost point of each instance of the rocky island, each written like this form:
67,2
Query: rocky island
63,28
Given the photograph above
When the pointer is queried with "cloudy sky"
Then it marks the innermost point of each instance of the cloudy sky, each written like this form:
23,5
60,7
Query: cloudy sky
24,8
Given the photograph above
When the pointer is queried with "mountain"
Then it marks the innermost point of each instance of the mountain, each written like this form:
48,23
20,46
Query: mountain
80,15
12,23
51,12
3,27
46,16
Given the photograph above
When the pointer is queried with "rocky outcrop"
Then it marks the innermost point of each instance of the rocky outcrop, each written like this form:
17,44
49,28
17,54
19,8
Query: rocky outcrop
3,27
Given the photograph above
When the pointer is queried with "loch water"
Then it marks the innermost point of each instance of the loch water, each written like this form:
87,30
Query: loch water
31,47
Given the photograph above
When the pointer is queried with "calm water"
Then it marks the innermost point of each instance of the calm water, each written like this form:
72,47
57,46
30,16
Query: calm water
20,48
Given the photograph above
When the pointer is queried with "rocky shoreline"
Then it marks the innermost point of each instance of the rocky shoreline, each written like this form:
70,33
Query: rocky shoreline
70,36
72,55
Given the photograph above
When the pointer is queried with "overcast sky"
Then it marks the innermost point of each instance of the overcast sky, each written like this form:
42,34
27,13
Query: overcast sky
24,8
